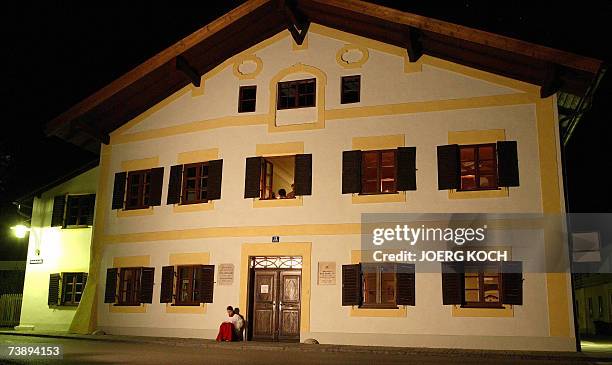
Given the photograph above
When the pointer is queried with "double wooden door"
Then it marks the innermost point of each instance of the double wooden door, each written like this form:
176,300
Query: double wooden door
276,295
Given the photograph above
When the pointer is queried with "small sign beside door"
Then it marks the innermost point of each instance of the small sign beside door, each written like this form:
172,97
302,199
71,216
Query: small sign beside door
327,273
275,239
225,275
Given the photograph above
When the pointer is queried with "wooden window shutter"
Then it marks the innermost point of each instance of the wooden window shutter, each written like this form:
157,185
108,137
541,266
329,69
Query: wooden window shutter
84,283
405,287
512,282
452,283
351,172
54,289
507,164
406,168
351,285
449,174
175,184
147,277
215,174
167,285
91,198
110,291
157,181
251,177
119,190
303,174
59,205
206,283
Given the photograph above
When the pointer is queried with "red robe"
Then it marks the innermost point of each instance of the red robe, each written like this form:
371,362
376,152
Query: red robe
226,332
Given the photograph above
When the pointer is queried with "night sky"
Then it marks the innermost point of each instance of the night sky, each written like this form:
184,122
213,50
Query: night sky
59,53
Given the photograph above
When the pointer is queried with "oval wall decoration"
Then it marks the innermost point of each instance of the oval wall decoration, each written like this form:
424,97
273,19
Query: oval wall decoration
247,67
352,56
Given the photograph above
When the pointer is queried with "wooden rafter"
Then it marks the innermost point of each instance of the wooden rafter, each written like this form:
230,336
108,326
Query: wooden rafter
297,22
414,46
192,74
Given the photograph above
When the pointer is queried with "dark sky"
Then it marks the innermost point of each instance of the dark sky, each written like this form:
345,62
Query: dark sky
57,53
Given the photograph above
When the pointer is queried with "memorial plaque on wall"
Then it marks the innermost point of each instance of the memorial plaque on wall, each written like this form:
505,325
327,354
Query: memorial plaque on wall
225,275
327,273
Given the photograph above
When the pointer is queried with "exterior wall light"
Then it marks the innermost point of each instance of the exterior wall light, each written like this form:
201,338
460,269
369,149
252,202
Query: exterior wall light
20,230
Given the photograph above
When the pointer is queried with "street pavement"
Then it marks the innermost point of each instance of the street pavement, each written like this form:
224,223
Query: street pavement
82,351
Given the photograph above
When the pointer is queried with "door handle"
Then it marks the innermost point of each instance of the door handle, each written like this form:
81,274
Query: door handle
280,306
274,305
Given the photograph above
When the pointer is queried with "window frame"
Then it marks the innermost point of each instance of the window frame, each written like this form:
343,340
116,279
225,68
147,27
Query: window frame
481,267
379,168
73,292
242,100
294,85
134,287
344,92
477,160
378,268
191,288
199,166
263,184
82,211
143,196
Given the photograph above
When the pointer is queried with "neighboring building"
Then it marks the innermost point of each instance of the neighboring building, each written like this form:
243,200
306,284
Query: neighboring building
378,117
593,298
58,251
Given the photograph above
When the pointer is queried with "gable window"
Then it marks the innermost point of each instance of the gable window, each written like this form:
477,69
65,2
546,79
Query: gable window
278,177
296,94
129,286
66,288
247,98
370,285
478,167
138,190
378,172
194,284
73,211
195,183
350,89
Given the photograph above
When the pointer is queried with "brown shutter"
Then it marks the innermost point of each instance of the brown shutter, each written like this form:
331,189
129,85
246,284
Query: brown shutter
110,291
175,185
351,172
512,282
91,200
351,284
406,168
59,205
507,164
405,284
215,174
448,167
167,284
452,283
84,283
54,289
157,181
206,283
147,276
251,177
119,190
303,175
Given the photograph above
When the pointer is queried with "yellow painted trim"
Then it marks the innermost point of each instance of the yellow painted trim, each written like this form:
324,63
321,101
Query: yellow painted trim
302,249
272,203
134,212
399,197
350,65
140,164
192,258
299,47
247,58
378,142
188,157
279,149
131,261
320,102
188,208
127,308
186,309
401,311
480,194
507,311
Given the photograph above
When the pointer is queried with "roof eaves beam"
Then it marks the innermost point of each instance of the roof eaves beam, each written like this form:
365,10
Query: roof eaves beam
297,22
551,83
414,47
92,132
183,65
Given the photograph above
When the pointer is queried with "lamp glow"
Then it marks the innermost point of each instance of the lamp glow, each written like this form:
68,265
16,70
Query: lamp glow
20,230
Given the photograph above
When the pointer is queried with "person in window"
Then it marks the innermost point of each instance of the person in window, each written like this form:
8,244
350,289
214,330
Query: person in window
226,330
291,194
282,194
239,325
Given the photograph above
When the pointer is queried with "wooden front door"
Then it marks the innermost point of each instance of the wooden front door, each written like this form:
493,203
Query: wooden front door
276,304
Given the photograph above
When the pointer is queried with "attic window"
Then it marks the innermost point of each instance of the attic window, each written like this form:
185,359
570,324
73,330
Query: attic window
296,94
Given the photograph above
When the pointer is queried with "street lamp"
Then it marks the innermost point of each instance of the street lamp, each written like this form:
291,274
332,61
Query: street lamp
20,230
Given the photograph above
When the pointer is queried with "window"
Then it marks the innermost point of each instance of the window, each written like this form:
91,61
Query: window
195,183
129,286
187,286
79,209
277,177
378,172
350,89
138,189
379,283
73,285
194,285
296,94
478,167
482,285
246,99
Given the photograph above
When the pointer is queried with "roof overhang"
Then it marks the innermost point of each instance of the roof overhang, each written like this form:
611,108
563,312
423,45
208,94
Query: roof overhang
89,122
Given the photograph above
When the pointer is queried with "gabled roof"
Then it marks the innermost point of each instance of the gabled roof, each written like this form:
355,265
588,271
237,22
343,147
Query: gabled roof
89,122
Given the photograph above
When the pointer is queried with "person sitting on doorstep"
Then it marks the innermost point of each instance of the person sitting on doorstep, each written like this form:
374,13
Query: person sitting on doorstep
282,193
227,328
239,325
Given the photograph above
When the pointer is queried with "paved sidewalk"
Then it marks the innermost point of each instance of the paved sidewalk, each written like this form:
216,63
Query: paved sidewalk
598,356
